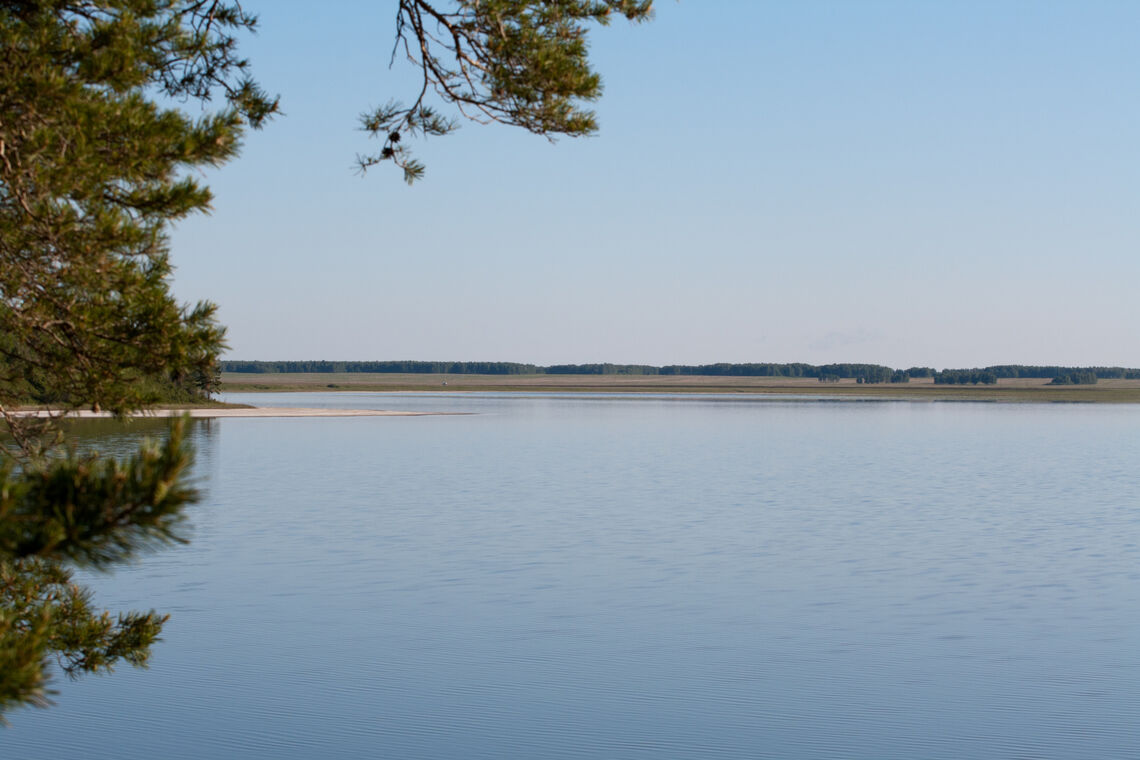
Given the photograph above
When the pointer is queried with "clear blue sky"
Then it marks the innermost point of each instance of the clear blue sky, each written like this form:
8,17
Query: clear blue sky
909,182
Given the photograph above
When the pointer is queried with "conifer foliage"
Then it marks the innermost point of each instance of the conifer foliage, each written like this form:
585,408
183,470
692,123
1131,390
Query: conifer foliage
517,62
89,512
106,109
95,150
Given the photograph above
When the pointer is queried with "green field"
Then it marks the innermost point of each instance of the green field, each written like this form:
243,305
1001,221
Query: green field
918,389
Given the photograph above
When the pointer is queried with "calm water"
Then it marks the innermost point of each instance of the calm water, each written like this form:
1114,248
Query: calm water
574,577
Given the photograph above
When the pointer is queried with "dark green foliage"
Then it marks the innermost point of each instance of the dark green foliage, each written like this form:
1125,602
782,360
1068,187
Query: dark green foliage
96,161
742,370
92,172
91,512
863,373
1085,377
599,369
43,614
1103,373
965,377
872,372
95,511
402,367
1060,375
516,62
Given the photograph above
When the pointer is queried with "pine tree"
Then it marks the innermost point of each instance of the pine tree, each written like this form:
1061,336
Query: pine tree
94,156
518,62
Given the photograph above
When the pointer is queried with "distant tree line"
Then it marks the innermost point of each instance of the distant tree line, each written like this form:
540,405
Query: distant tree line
1059,375
861,373
390,367
1075,378
867,373
965,377
1102,373
598,369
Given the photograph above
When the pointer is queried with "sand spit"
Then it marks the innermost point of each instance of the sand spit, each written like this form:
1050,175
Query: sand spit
263,411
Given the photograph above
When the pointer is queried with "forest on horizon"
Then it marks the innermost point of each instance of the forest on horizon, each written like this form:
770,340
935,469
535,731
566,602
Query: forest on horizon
864,373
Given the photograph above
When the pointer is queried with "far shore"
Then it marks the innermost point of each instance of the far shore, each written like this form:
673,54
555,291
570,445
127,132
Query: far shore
1017,390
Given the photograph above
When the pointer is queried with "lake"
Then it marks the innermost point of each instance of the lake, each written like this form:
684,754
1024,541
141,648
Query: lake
577,576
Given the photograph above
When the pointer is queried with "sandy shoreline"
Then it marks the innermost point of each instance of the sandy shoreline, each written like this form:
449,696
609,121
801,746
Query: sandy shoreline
264,411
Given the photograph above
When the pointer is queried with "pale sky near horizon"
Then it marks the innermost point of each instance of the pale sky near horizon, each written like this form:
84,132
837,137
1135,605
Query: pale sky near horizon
904,182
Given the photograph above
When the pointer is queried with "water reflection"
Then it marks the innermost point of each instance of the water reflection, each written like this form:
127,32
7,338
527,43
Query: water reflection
122,437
